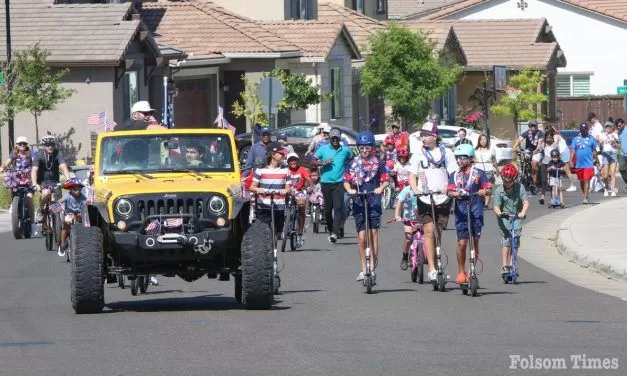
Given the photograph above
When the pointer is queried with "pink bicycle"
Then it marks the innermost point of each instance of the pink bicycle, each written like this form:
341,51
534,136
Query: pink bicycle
417,252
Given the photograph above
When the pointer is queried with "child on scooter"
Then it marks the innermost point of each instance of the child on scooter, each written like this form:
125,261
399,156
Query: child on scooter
467,180
556,169
510,198
74,203
366,174
406,202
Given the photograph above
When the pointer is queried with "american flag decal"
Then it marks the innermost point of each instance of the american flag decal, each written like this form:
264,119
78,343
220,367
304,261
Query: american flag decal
173,222
153,228
56,207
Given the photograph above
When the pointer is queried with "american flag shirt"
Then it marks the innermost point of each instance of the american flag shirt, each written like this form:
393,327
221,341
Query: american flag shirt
271,179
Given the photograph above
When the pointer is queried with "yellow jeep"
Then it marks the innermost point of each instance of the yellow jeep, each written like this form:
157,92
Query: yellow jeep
169,202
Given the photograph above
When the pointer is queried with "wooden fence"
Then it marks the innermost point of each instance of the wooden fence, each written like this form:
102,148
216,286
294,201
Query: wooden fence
572,111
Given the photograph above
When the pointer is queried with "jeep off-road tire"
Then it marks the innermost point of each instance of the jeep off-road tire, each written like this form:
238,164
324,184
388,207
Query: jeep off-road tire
257,285
87,287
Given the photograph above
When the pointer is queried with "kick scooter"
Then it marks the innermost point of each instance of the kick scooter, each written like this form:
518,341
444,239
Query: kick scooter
368,279
473,280
555,201
512,270
440,282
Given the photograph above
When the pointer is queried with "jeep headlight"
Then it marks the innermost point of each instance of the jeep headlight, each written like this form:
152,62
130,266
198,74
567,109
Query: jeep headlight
124,207
217,205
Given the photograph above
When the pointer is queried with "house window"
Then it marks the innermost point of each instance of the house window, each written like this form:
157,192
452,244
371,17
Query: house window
573,85
130,92
381,6
336,89
300,9
358,5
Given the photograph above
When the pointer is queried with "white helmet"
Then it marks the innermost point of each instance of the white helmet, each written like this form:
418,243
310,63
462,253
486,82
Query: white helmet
292,155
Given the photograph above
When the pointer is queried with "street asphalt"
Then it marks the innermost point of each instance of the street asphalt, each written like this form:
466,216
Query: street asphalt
323,322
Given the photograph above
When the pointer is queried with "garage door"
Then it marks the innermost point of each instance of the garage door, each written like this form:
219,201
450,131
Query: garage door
190,105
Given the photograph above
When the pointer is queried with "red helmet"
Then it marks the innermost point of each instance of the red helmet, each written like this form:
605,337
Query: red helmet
509,172
403,153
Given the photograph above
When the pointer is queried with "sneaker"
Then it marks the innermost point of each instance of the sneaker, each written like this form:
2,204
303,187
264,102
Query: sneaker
585,202
542,200
605,193
33,229
333,238
11,209
154,281
404,261
461,278
613,194
572,189
504,270
360,276
433,275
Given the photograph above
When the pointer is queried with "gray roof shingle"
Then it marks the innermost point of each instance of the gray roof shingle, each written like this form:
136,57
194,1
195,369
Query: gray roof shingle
74,34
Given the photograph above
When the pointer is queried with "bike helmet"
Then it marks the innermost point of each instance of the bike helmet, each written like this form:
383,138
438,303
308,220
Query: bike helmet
464,150
388,141
365,138
48,139
73,182
509,172
555,153
403,153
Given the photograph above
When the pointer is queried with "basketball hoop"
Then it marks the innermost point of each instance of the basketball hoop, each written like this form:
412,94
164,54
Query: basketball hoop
512,92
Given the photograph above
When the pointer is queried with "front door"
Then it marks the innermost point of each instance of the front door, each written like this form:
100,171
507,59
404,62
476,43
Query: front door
191,104
233,80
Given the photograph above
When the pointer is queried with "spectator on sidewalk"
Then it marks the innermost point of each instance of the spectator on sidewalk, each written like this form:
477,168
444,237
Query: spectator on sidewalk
583,159
609,157
623,147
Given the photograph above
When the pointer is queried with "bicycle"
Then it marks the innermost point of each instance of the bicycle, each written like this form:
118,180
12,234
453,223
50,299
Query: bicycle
511,275
51,222
290,225
67,252
526,171
440,282
473,282
368,280
417,251
21,221
389,195
317,217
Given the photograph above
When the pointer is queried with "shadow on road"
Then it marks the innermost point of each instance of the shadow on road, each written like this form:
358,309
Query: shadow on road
299,291
529,282
375,291
215,302
311,250
163,292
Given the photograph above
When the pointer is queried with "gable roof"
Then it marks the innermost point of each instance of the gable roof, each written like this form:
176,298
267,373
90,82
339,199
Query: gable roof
513,43
315,38
74,34
207,31
399,9
616,9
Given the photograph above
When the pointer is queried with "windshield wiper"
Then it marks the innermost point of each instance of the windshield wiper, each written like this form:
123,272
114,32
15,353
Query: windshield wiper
134,172
192,172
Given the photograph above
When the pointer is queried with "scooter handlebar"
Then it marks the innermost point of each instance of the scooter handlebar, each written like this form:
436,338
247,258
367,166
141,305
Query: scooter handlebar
429,193
511,216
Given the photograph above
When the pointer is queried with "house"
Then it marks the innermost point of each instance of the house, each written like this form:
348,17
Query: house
362,27
111,56
223,46
401,9
516,44
376,9
590,31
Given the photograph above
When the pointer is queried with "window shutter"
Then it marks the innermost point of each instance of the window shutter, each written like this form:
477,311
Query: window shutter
581,86
562,85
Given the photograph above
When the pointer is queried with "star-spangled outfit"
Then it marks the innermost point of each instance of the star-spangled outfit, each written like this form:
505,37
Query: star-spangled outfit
470,180
366,174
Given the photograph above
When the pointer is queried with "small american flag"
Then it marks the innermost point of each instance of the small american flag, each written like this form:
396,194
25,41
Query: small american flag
173,222
56,207
97,118
153,228
222,121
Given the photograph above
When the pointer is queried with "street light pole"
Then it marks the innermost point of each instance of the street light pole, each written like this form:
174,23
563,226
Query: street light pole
9,82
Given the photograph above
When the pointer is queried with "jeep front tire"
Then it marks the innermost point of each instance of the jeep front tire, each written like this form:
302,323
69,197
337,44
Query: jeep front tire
257,254
87,287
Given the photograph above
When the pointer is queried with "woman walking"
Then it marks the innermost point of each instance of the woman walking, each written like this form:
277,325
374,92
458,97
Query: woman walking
485,160
549,145
609,147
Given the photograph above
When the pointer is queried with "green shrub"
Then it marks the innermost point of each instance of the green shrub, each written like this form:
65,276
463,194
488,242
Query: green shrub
5,202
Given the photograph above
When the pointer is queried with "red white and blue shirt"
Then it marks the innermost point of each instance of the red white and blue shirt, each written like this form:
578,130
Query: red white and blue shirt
471,181
271,179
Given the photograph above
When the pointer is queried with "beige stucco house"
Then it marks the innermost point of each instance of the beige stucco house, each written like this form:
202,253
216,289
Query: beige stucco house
111,56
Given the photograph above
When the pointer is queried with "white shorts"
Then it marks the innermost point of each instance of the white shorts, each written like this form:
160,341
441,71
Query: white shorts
537,157
553,181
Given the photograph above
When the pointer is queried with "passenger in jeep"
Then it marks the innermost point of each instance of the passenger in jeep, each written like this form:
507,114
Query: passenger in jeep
194,153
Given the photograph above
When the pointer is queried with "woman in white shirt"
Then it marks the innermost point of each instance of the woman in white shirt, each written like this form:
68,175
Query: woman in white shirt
550,144
609,146
485,159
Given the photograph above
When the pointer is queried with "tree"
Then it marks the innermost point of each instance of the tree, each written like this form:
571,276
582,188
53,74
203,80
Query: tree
524,106
65,144
250,104
36,87
300,91
405,69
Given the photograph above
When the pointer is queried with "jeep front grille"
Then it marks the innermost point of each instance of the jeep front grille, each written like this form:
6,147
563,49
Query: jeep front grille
193,206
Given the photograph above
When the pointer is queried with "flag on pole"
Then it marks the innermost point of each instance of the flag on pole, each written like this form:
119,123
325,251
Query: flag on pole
223,122
97,118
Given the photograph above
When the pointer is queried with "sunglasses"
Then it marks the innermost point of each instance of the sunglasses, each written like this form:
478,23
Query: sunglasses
49,145
22,144
364,148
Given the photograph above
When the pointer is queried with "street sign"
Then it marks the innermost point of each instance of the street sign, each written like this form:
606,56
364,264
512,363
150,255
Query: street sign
1,78
271,94
621,90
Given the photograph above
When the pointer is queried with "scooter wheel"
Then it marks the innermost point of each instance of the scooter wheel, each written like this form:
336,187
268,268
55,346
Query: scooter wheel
474,285
441,283
435,285
277,284
464,288
368,283
505,280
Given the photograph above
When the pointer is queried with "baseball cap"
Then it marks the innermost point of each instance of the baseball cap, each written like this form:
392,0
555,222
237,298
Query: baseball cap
583,127
429,128
609,124
322,125
275,147
21,139
396,126
142,106
281,136
335,133
264,130
533,123
326,128
292,155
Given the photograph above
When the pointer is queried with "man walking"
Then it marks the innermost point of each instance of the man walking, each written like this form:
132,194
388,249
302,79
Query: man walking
257,152
333,159
583,148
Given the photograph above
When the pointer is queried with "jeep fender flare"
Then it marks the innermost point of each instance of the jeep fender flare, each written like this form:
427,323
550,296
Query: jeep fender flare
98,212
239,204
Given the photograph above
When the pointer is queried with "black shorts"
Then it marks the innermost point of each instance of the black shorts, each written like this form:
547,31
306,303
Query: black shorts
264,215
442,213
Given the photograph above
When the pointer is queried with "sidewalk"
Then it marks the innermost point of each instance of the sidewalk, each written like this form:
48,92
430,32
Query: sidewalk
595,238
5,221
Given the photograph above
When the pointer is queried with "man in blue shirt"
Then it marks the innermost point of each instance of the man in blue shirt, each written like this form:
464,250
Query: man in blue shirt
583,158
257,152
333,159
622,136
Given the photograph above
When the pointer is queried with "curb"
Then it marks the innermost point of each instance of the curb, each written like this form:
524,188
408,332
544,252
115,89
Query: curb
567,247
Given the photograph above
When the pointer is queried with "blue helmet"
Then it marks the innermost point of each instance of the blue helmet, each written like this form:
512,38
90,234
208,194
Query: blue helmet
365,138
464,150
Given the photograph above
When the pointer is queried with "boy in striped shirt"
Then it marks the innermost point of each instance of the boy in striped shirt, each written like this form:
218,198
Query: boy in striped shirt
272,179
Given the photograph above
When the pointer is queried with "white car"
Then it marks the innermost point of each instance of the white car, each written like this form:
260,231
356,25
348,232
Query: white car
448,134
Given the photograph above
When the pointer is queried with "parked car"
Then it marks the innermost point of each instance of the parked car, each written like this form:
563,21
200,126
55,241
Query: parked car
448,135
298,135
83,172
569,135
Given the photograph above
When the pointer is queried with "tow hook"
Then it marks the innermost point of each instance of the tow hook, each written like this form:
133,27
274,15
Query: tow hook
205,247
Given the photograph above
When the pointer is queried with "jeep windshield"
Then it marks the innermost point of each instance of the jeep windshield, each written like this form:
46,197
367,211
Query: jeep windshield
196,153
